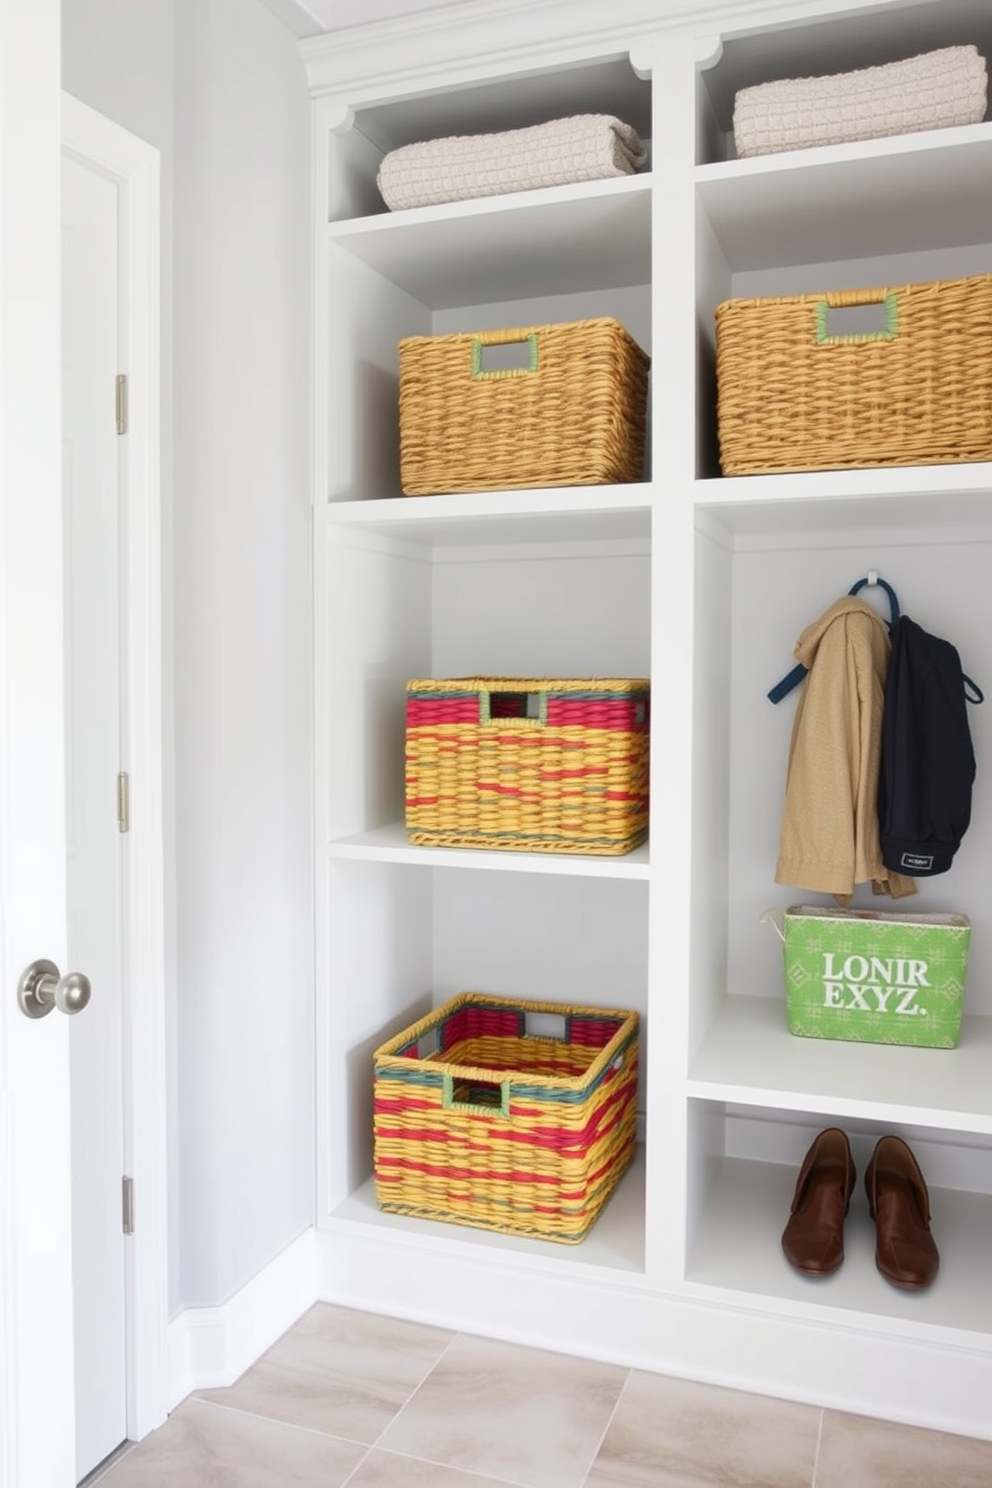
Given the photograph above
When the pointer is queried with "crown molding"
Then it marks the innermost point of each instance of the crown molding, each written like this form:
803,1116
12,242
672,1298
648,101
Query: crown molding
483,38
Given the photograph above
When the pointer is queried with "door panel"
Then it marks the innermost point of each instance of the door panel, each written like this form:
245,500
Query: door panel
93,845
37,1436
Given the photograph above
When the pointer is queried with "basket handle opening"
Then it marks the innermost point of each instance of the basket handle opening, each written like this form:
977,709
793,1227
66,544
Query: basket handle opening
504,354
853,316
514,709
483,1097
546,1026
428,1044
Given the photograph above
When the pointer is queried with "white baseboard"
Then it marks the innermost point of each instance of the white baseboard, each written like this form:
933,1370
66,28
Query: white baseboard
933,1380
209,1347
846,1363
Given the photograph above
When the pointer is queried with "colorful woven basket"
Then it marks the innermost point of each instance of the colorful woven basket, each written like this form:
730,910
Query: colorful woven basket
528,764
573,415
484,1118
797,393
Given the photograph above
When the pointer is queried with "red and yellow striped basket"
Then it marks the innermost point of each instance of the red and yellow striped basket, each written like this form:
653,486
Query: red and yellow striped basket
507,1115
528,764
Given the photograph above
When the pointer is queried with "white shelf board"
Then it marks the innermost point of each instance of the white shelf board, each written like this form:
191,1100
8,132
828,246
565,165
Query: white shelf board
749,1057
615,1243
852,201
738,1250
561,240
390,844
952,497
563,513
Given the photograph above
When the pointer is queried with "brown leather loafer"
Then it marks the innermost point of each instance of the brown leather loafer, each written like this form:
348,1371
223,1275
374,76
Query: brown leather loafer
905,1252
813,1240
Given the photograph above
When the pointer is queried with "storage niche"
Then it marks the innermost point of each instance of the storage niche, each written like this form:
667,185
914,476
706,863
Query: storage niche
823,47
768,242
577,609
373,312
407,938
514,101
777,586
746,1160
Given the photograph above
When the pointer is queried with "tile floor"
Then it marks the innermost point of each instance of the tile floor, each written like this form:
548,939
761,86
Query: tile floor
352,1400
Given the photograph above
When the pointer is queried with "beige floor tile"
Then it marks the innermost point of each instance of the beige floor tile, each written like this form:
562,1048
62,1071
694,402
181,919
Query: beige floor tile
670,1433
880,1454
519,1414
203,1446
339,1371
387,1470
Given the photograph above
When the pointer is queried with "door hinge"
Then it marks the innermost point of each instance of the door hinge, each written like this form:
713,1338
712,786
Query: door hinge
123,802
127,1205
121,402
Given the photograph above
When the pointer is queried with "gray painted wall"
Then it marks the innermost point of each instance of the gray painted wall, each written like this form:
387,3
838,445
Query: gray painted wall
219,87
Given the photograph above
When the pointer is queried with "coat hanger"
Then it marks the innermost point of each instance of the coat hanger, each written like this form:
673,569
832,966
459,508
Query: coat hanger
973,693
783,688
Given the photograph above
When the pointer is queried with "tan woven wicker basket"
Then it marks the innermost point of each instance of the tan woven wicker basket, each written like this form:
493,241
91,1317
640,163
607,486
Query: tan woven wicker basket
794,396
573,416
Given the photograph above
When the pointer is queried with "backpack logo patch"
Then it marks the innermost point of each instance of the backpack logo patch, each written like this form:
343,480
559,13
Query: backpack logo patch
916,861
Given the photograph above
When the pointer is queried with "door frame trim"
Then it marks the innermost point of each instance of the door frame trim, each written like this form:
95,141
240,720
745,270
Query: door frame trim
100,144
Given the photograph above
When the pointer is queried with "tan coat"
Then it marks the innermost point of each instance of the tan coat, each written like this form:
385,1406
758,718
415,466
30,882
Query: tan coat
829,840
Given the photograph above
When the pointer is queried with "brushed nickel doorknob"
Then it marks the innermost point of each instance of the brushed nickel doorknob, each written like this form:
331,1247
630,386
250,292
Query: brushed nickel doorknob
42,988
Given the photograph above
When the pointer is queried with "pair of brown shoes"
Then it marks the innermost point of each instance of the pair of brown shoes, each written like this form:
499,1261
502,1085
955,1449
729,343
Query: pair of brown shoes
898,1200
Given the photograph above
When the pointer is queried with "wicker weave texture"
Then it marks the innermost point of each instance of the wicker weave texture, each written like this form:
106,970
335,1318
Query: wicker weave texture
480,1122
480,773
936,90
582,147
575,416
793,397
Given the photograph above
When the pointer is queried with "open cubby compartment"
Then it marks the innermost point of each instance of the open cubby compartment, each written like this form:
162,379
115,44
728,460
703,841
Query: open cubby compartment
824,47
763,572
558,607
444,287
743,1161
874,221
404,939
599,85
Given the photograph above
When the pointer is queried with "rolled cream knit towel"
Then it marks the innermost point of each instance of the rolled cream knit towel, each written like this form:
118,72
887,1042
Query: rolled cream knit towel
584,147
933,91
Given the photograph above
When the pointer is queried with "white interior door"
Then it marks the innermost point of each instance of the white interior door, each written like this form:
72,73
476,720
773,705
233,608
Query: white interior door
37,1401
90,359
37,1361
116,885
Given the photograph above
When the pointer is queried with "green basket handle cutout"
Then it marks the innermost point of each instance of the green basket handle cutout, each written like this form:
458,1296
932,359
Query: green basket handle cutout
480,1097
534,715
849,300
498,338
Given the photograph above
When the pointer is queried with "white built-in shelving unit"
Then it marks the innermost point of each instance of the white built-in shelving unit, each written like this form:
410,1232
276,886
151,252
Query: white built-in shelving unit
700,581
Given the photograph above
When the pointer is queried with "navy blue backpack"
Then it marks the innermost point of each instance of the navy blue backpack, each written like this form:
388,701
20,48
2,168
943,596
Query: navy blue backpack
928,762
